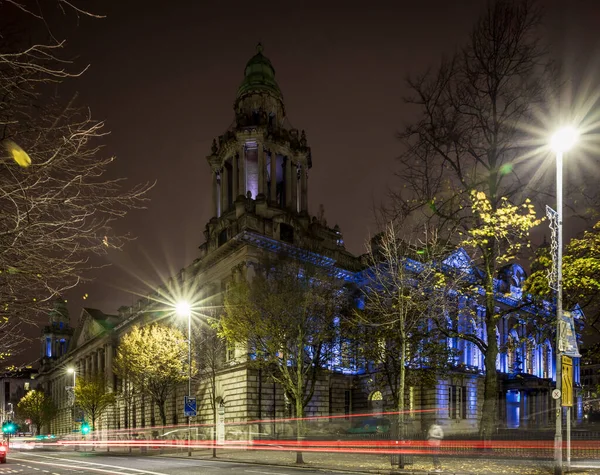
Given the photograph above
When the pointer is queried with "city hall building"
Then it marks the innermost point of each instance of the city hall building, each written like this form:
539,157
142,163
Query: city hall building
260,191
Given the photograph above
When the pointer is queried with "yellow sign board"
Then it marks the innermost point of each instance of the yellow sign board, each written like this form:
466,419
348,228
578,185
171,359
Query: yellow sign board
567,381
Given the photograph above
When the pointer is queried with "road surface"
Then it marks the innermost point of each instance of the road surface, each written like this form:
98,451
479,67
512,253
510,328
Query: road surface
33,462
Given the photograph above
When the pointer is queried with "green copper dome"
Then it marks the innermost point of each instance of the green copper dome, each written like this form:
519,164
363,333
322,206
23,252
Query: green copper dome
259,76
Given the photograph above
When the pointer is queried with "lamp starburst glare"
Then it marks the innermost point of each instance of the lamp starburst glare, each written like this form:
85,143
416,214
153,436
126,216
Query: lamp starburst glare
183,309
563,139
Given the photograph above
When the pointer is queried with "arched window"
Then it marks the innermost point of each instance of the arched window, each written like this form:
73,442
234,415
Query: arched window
376,401
376,396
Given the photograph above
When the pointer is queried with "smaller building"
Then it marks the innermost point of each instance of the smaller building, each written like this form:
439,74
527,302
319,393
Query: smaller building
590,383
15,384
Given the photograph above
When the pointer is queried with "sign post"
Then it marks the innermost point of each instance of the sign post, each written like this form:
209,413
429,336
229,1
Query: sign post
221,425
567,399
567,381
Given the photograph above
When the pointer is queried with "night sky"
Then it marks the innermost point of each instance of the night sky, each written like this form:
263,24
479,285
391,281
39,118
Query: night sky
164,76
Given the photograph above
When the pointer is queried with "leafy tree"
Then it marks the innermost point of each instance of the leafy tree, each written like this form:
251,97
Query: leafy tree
581,275
286,314
154,359
56,209
92,395
403,292
37,406
462,167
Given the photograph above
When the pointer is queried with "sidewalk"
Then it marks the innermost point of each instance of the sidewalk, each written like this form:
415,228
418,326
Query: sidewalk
381,463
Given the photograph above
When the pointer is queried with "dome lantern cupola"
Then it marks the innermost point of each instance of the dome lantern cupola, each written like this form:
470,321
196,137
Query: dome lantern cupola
259,90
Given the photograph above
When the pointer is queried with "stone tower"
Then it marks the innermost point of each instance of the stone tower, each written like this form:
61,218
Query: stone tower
57,335
259,157
260,165
260,207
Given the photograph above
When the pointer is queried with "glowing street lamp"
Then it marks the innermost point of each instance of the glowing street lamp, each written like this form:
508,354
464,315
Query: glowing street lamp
72,370
562,141
184,309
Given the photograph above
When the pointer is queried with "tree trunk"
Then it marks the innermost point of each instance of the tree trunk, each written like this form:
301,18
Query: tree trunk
490,392
401,401
259,415
214,408
93,417
162,412
299,428
299,399
128,420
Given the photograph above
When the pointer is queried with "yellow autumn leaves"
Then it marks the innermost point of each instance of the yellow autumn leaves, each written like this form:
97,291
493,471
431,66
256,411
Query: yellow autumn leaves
505,227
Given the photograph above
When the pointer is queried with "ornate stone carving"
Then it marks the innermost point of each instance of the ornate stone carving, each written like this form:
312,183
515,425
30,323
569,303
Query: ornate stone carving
303,141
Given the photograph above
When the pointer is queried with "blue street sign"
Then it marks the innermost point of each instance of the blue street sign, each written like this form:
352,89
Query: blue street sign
189,406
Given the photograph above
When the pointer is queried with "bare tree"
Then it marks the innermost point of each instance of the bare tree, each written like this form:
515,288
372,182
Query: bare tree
285,314
464,162
12,339
405,289
56,209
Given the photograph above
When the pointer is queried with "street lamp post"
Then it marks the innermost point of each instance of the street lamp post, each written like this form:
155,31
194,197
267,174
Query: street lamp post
184,309
561,142
11,428
74,371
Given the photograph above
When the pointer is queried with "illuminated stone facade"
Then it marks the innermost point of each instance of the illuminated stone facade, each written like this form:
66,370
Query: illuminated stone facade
259,169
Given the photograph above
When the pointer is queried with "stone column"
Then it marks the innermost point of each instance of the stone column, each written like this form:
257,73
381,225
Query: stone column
294,184
215,194
261,170
234,178
304,186
108,365
102,361
288,182
242,165
224,190
273,192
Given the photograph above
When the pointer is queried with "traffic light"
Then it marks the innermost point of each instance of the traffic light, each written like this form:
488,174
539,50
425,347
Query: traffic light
85,428
9,427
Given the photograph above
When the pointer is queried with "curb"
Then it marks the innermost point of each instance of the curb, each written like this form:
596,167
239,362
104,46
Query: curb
391,471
